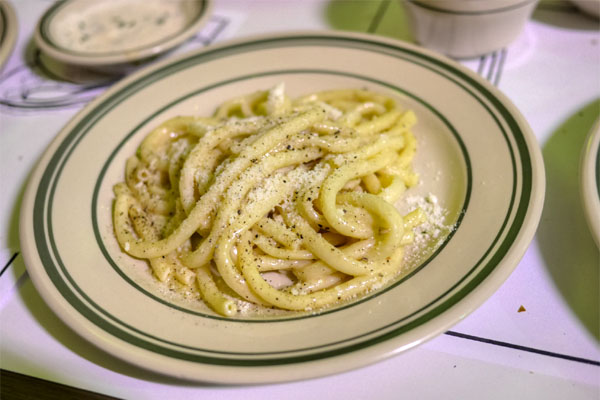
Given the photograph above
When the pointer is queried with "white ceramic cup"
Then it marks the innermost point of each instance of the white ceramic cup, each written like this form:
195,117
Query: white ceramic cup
467,28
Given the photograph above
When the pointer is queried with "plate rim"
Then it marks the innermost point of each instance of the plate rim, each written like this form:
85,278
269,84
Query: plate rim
385,347
114,58
589,179
9,32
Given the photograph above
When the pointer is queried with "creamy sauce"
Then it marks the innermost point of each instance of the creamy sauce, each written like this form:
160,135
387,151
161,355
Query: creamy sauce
110,25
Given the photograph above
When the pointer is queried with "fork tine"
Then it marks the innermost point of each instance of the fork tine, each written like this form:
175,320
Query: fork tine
502,58
491,65
492,68
482,62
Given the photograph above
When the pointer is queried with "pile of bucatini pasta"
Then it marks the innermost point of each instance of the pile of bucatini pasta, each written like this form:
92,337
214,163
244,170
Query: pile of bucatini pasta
283,203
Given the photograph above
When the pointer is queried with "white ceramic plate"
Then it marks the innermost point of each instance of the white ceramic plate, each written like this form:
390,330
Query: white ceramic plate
8,31
590,181
117,33
476,154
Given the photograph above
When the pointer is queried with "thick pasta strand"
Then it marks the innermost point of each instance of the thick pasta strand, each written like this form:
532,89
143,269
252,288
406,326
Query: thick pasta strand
274,203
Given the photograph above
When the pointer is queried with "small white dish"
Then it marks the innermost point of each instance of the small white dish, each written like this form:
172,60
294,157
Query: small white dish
590,181
467,28
8,31
476,153
115,34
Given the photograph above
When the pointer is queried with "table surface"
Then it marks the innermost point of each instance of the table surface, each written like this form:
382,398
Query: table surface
536,337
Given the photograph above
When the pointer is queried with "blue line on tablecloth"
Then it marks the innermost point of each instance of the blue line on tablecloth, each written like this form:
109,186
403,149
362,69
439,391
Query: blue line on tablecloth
9,262
523,348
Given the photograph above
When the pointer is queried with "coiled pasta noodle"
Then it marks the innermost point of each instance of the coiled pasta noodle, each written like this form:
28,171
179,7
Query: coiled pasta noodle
303,190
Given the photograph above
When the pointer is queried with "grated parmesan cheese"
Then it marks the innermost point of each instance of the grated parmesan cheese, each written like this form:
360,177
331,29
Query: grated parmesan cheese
429,235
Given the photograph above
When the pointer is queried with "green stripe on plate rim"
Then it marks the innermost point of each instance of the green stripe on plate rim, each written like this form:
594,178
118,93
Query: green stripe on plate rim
44,31
366,45
4,24
597,172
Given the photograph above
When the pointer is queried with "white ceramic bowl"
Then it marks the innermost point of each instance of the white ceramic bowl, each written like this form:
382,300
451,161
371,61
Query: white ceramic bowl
467,28
111,34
